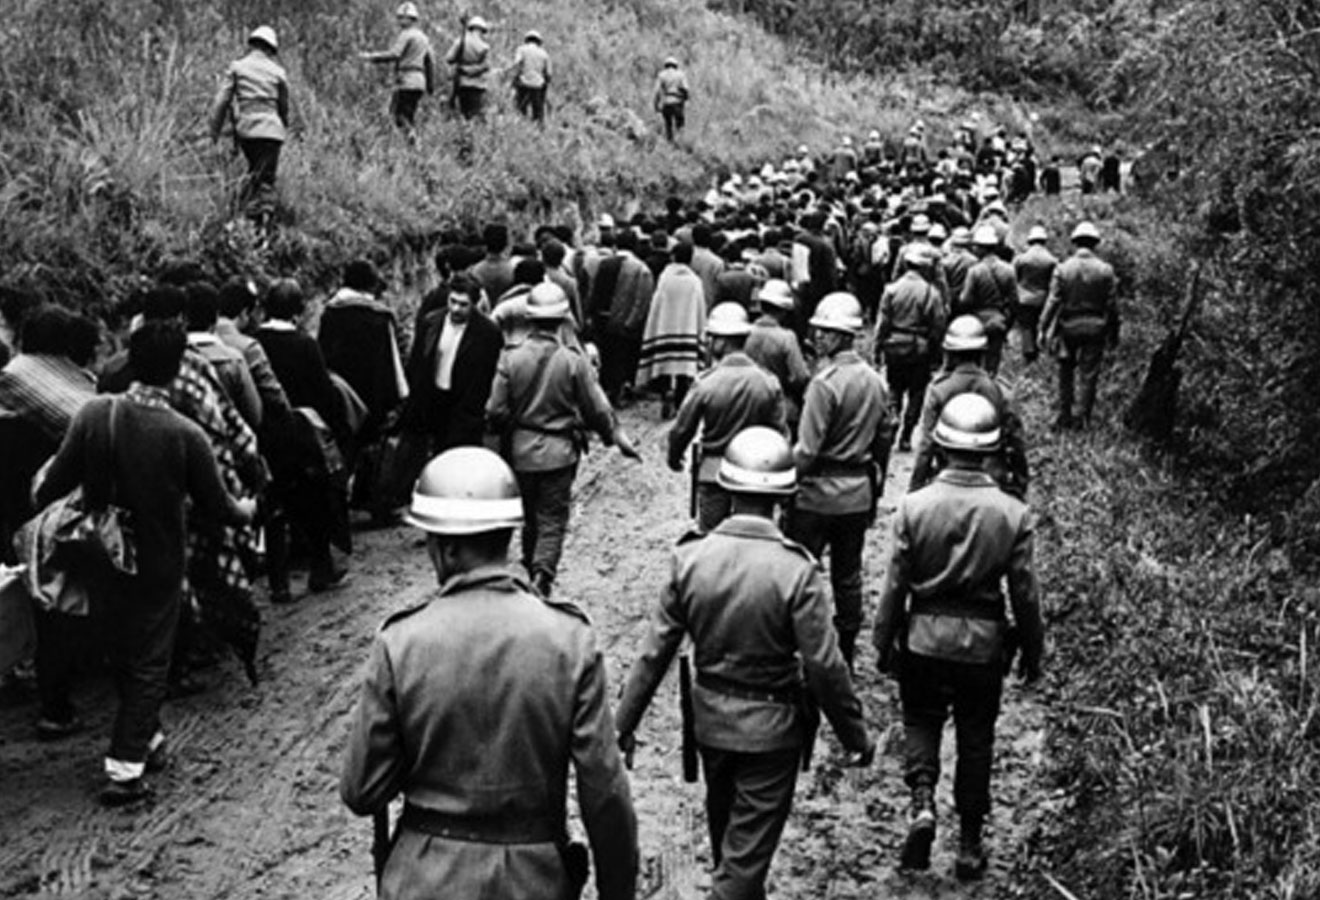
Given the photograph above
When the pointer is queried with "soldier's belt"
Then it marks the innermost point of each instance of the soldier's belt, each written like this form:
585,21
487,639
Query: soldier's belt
484,829
719,685
830,468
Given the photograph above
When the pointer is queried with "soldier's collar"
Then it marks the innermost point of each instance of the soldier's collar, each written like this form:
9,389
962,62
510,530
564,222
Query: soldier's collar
743,525
737,358
497,575
846,357
967,477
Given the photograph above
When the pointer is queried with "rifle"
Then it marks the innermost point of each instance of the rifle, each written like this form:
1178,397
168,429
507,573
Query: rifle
380,842
458,64
691,763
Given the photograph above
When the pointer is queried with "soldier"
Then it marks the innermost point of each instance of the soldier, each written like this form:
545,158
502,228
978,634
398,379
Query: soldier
964,372
758,615
911,323
1079,321
544,401
941,627
470,58
775,348
842,453
956,263
1034,269
482,762
254,96
412,60
989,294
732,395
671,97
531,77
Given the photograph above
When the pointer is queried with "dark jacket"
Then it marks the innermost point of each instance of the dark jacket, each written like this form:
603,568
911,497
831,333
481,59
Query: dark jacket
460,419
360,342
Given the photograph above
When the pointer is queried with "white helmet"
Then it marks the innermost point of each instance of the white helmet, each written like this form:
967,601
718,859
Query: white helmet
264,35
407,10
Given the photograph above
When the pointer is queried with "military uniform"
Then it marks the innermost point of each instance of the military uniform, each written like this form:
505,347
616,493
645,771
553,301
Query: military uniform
842,452
473,705
544,400
775,349
911,323
990,293
254,94
1082,314
954,542
758,615
1009,466
732,395
1034,268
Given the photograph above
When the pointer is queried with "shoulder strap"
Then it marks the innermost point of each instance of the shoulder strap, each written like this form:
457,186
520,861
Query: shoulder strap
538,375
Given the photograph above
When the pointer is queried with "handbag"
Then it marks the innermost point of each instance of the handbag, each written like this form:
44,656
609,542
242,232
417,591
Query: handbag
99,535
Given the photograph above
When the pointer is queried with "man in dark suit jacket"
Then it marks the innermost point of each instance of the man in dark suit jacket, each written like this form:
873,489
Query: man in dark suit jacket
451,369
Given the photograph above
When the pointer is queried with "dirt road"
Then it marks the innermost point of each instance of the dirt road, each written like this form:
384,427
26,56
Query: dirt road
249,806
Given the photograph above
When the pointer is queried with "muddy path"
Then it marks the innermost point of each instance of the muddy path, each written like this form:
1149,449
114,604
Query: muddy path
249,807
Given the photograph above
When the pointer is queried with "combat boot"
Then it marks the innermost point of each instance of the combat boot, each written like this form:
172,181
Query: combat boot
972,860
921,831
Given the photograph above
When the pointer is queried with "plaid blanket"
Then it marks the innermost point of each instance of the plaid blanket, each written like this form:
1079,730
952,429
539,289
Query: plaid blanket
46,390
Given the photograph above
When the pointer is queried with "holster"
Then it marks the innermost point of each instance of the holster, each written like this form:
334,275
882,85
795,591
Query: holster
577,866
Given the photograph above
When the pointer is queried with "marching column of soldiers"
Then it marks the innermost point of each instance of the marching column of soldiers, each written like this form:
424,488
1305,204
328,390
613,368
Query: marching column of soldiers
791,441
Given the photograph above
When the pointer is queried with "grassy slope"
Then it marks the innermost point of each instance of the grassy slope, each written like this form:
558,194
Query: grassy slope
106,167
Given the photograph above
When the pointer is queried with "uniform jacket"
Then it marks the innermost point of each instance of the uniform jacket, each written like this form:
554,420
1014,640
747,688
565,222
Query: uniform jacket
473,705
989,293
955,543
531,66
759,616
911,316
955,265
732,395
471,55
545,411
1082,301
846,428
1009,466
1034,268
410,50
775,349
671,88
474,370
255,91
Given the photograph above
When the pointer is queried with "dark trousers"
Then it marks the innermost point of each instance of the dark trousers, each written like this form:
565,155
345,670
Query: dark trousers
547,499
619,354
403,108
994,349
139,627
844,535
674,120
748,798
1025,322
1080,359
64,642
263,159
530,102
713,506
297,505
907,381
928,688
471,102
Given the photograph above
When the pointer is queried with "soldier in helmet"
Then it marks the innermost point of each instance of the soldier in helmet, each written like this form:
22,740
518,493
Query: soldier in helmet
254,97
775,348
413,66
530,73
964,372
544,402
842,452
758,614
482,759
1079,321
732,395
671,97
942,625
911,321
1034,268
470,58
989,293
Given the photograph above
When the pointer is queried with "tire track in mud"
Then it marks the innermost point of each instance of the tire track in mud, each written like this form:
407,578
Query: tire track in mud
249,807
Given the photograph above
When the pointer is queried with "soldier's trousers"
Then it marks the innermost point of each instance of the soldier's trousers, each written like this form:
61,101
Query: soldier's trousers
844,535
1025,321
928,688
1079,365
713,506
547,499
748,798
907,380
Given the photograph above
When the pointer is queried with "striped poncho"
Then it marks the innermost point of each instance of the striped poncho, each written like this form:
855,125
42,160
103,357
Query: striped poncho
675,327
